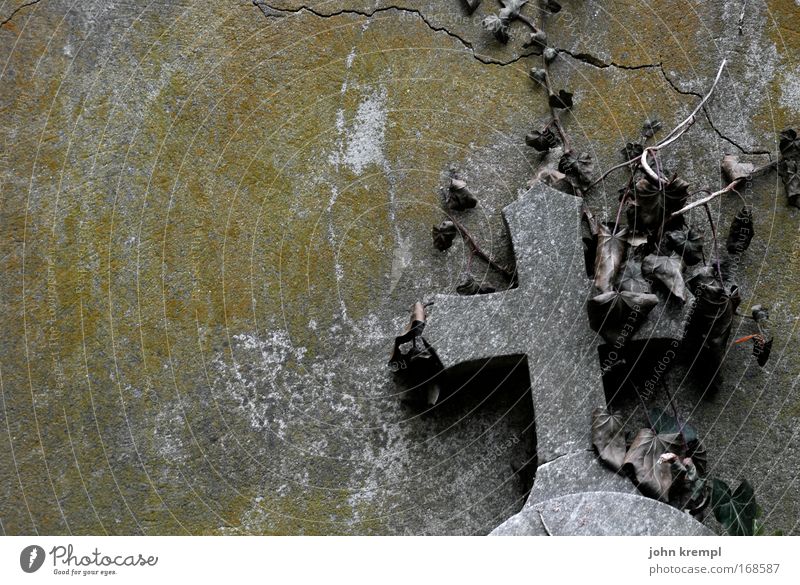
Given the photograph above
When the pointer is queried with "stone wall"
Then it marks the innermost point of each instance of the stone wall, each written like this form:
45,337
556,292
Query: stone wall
214,216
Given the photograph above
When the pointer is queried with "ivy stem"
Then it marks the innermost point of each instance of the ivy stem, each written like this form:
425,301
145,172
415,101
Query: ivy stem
727,189
478,251
553,112
716,244
676,133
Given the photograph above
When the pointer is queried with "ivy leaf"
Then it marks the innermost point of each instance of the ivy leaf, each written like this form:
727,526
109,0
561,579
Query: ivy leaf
668,270
646,211
741,232
460,197
790,144
561,101
552,6
762,347
538,75
676,194
538,41
688,246
789,171
632,150
653,475
703,276
710,324
543,140
732,169
616,315
555,179
470,286
550,55
650,128
760,314
411,351
498,27
608,437
444,234
472,5
577,168
611,248
735,511
631,278
665,423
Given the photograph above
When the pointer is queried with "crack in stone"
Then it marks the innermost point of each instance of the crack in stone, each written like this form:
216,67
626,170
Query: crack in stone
271,11
717,131
590,59
17,9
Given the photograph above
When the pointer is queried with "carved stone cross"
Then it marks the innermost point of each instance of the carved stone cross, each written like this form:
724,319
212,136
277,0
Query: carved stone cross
542,321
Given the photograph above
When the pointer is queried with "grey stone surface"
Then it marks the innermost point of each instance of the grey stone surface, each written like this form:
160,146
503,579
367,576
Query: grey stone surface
574,473
542,321
213,221
602,514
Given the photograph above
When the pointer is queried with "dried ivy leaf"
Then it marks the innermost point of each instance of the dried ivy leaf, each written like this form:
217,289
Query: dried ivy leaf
611,248
711,322
538,41
631,278
732,169
561,101
470,286
460,197
550,55
616,315
650,128
632,150
789,144
608,437
741,232
444,234
577,168
762,347
735,511
555,179
543,140
760,314
705,275
668,270
538,75
552,6
789,165
498,27
646,211
409,346
472,5
789,171
676,194
653,476
687,245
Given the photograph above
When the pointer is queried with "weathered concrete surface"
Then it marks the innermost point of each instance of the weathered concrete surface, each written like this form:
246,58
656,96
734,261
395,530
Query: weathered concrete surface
209,215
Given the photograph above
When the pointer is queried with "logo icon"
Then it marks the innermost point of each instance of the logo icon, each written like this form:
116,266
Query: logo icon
31,558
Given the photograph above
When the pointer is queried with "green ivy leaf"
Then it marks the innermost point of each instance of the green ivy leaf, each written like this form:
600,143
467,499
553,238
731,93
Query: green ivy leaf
735,511
665,423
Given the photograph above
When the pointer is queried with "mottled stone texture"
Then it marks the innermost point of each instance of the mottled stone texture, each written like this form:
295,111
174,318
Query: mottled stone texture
214,215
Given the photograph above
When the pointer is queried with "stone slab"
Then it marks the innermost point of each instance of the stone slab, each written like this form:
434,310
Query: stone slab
605,514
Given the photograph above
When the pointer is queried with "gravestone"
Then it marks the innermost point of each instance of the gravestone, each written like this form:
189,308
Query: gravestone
543,322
